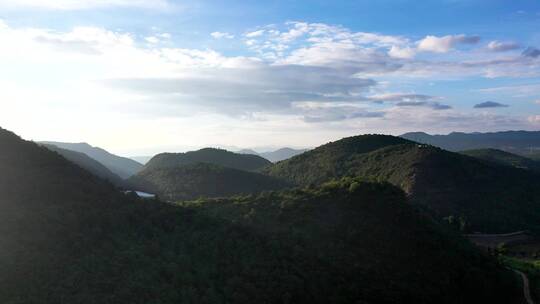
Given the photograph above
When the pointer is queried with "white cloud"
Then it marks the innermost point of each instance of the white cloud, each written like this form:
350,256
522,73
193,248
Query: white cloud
165,35
254,34
498,46
322,80
152,39
537,101
222,35
534,119
446,43
83,4
402,53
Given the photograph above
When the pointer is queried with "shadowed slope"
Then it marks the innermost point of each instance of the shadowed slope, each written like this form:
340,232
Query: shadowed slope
68,237
202,180
89,164
504,158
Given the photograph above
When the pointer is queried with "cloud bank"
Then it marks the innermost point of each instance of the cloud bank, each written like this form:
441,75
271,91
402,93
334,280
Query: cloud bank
489,104
314,76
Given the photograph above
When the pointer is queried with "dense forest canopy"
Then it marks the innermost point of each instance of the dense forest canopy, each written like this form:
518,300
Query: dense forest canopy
491,197
246,162
68,237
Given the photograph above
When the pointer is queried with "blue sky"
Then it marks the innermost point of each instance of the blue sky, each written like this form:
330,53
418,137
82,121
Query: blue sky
144,76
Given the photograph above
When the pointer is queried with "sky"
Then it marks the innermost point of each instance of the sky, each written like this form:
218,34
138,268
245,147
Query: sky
138,77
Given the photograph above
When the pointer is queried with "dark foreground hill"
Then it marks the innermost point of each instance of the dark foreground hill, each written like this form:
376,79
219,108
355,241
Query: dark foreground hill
487,196
121,166
220,157
504,158
68,237
89,164
202,180
363,239
517,142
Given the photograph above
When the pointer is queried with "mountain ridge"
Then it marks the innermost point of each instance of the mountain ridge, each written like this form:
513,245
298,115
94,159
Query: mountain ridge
491,197
215,156
121,166
517,142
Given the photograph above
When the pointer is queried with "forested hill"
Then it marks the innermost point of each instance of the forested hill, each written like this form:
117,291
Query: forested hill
330,160
246,162
505,158
363,239
490,197
68,237
202,180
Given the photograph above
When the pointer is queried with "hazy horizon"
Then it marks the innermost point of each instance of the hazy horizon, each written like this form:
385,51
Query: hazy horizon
142,77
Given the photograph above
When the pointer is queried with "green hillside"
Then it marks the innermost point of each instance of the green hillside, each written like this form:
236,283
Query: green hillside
89,164
202,180
504,158
330,160
246,162
366,241
68,237
488,196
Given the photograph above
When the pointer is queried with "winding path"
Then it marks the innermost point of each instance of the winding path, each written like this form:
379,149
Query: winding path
526,287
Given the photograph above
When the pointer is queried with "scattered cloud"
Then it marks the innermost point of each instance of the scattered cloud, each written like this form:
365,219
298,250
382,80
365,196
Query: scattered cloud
318,112
531,52
83,4
534,119
254,34
402,53
433,105
307,74
446,43
402,97
523,90
498,46
489,104
222,35
152,39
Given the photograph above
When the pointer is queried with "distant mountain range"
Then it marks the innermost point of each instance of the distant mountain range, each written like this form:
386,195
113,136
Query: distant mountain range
88,163
518,142
121,166
277,155
505,158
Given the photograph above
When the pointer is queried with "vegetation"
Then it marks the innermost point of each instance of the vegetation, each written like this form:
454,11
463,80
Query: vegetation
504,158
202,180
492,198
329,161
246,162
530,267
68,237
89,164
